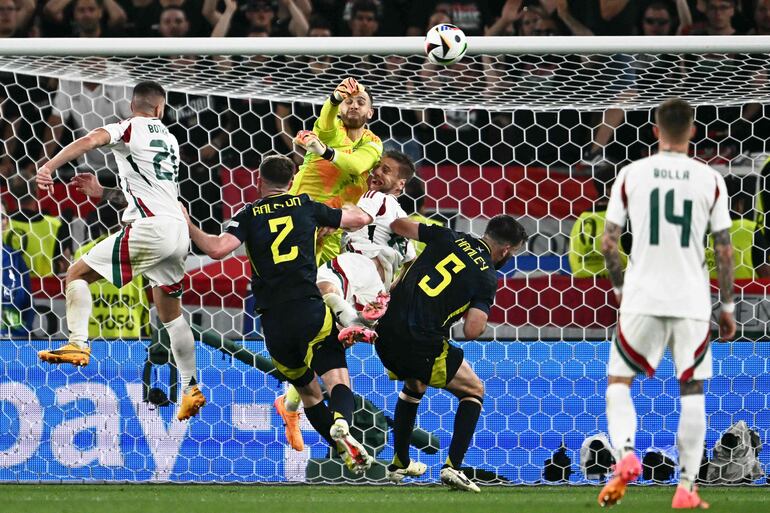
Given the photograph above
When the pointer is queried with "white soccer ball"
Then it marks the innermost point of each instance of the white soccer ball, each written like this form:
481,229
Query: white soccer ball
445,44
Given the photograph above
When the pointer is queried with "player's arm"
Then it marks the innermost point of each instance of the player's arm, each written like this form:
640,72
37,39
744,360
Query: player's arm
611,252
405,227
720,223
723,248
358,162
326,124
94,139
478,313
475,323
215,246
89,185
354,218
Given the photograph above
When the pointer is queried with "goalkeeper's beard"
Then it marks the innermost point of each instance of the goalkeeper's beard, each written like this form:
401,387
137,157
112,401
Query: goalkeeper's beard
354,123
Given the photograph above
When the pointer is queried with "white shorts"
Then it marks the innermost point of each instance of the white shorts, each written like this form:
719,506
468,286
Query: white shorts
640,341
355,275
155,247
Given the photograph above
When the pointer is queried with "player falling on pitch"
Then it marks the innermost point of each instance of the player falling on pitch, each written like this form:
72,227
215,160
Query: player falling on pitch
355,283
279,231
671,201
154,243
341,151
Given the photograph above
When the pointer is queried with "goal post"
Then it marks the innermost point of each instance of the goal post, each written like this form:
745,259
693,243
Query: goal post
533,127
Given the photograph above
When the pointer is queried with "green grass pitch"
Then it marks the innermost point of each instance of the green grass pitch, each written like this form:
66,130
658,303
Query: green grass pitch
79,498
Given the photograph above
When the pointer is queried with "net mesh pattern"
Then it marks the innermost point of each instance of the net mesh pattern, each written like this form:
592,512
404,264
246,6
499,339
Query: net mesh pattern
494,134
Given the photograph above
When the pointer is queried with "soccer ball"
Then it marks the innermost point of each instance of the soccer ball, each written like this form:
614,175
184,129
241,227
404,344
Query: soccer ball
445,44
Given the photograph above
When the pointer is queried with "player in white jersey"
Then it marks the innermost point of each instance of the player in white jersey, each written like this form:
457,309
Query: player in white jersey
671,202
360,277
154,242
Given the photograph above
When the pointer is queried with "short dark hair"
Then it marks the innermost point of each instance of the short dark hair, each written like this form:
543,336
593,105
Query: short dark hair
277,170
317,21
365,6
504,229
413,197
149,88
675,118
405,165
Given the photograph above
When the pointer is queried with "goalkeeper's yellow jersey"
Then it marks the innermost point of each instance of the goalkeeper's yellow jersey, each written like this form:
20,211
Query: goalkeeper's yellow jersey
344,180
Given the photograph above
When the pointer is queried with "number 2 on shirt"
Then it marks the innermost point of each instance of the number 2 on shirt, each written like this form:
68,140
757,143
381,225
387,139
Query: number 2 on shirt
288,226
446,275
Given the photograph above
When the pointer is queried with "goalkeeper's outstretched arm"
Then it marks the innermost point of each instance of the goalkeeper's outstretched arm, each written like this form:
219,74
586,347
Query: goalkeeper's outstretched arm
358,162
94,139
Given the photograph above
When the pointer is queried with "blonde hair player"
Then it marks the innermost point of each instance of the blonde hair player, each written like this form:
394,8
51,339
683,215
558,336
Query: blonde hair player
671,200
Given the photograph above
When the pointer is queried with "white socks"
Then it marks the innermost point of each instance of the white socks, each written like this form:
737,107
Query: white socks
78,299
346,314
690,436
621,418
183,349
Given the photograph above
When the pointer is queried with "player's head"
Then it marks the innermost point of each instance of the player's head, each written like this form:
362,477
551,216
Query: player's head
391,173
357,110
674,120
148,98
505,236
275,173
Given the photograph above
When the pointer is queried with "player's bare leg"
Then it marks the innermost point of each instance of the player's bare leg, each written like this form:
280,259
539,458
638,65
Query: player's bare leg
469,389
690,438
183,348
621,424
353,329
78,298
403,424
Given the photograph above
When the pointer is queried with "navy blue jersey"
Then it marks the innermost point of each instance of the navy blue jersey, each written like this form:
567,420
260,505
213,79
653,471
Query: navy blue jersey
454,273
280,236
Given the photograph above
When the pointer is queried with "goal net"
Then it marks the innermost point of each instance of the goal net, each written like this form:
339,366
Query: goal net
536,128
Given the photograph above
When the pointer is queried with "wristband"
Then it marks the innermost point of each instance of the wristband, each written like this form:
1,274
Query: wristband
334,101
728,307
329,154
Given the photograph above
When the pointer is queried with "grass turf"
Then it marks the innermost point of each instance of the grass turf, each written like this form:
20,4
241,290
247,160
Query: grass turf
79,498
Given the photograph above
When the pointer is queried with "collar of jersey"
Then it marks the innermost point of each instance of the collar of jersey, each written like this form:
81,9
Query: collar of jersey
273,195
672,153
489,250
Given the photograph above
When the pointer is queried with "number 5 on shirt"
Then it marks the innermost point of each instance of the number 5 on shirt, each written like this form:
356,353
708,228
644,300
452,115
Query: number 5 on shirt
446,275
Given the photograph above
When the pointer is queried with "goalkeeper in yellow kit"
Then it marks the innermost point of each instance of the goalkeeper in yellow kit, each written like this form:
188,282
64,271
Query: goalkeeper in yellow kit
340,153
